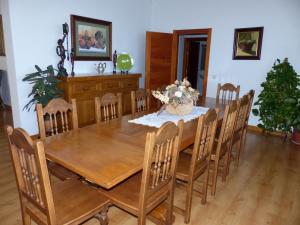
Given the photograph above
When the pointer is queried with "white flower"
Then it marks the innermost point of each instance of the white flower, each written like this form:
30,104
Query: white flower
178,94
176,82
191,89
181,88
186,83
170,86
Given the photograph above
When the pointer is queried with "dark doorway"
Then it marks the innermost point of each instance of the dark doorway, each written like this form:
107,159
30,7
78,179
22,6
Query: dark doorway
194,61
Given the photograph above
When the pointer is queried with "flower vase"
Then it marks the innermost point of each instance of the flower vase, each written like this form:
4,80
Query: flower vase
180,109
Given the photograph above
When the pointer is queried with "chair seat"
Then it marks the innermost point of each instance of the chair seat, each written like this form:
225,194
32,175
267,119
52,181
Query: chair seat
74,202
214,151
60,171
183,167
126,195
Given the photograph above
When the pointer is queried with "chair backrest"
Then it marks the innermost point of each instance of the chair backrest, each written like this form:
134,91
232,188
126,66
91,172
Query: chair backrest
55,118
250,95
160,160
226,92
227,128
242,112
31,173
108,107
140,101
204,140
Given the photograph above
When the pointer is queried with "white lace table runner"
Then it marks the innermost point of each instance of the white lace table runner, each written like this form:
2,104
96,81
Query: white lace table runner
155,120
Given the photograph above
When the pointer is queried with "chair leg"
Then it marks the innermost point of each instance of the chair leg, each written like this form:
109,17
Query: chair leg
188,202
102,216
26,219
205,186
142,220
238,152
243,140
214,178
225,170
169,210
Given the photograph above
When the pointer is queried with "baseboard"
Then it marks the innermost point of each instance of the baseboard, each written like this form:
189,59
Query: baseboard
260,130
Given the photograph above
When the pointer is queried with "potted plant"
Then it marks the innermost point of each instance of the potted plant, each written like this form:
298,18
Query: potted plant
278,103
44,86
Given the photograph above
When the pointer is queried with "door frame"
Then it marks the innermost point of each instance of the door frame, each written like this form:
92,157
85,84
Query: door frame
174,60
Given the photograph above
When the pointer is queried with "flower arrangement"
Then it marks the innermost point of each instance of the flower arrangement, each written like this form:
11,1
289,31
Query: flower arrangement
179,94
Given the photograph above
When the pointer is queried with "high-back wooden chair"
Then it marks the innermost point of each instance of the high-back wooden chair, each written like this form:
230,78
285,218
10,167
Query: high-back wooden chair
56,114
140,101
192,166
223,145
53,119
69,202
227,92
239,127
250,95
108,107
143,192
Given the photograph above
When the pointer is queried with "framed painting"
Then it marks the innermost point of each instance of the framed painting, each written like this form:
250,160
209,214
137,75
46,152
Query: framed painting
91,39
247,43
2,49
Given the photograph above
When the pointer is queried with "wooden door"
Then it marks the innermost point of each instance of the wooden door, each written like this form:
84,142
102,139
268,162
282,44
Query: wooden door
158,59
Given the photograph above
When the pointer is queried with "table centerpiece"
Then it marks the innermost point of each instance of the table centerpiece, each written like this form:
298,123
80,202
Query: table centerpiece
178,98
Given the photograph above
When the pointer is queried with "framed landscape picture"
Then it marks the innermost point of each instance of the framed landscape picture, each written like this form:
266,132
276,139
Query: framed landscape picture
91,39
247,43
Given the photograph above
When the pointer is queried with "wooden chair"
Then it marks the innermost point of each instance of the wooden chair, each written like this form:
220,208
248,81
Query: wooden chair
192,166
68,202
108,107
222,146
147,190
56,115
250,95
226,92
53,119
140,101
239,127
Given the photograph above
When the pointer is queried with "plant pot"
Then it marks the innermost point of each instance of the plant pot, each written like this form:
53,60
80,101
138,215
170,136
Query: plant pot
180,109
296,137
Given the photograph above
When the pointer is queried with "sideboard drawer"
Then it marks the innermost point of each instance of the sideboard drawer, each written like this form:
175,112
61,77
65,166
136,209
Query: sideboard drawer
110,84
130,84
81,88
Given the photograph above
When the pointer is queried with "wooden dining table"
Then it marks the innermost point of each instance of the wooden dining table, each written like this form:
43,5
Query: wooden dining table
108,153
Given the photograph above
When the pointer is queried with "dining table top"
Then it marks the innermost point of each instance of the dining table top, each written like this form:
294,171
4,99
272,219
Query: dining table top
108,153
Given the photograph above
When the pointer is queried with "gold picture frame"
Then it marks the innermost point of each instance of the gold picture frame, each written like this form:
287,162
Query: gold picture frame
91,39
247,43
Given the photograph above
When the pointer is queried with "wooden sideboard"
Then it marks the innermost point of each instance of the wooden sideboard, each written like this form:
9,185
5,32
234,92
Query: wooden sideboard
85,88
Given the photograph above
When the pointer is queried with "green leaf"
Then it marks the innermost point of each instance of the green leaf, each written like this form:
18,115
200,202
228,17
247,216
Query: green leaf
255,112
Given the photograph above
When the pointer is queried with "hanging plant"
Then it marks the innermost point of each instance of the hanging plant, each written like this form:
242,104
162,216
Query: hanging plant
44,86
278,104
